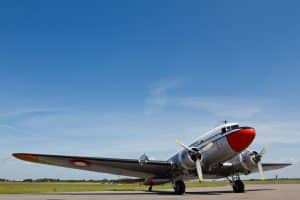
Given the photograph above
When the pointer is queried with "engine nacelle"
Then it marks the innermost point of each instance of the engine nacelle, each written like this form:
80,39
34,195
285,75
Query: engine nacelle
187,159
244,162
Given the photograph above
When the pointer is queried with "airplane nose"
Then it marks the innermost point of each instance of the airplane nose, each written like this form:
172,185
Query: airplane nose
241,139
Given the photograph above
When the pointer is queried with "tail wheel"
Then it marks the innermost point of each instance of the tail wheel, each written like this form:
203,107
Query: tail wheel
179,187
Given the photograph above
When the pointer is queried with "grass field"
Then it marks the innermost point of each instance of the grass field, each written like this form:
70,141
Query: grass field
21,187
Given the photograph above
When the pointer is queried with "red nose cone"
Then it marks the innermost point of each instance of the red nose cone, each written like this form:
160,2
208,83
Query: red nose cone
241,139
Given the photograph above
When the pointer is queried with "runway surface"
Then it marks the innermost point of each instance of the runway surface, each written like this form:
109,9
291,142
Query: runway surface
272,192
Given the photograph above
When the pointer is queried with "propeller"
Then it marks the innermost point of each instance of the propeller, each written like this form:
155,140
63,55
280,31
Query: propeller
194,152
261,171
257,159
263,151
199,170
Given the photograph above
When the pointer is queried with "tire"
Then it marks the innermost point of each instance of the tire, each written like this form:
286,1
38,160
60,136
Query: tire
179,187
238,186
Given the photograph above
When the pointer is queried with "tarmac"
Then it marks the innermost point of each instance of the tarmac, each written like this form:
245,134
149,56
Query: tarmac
272,192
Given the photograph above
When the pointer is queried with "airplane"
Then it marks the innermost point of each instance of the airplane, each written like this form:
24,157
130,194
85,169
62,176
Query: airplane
220,153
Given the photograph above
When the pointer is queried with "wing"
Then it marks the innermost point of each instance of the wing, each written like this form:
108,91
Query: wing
272,166
125,167
227,169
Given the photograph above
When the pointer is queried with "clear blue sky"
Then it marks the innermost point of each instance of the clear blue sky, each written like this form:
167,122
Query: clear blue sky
120,78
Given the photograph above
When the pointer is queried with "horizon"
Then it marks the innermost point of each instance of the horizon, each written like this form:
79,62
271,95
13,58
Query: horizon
120,179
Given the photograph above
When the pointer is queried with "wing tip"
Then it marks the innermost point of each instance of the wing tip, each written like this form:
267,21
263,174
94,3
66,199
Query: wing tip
286,164
26,157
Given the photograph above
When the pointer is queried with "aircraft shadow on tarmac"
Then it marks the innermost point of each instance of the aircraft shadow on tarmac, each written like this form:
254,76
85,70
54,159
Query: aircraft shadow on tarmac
160,192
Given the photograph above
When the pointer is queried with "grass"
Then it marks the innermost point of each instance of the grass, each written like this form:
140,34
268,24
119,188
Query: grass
22,187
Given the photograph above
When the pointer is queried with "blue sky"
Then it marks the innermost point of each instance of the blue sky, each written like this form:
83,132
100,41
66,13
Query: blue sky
120,78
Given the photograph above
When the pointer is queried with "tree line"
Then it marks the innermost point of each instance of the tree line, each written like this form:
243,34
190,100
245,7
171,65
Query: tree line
55,180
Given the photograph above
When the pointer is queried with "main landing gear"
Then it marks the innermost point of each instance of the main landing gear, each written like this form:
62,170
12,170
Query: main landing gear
237,185
179,187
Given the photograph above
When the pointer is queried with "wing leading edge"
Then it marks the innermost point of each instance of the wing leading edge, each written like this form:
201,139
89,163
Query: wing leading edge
125,167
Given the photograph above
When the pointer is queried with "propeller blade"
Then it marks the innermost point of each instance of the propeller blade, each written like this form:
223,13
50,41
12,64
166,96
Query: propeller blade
199,170
261,171
263,151
185,147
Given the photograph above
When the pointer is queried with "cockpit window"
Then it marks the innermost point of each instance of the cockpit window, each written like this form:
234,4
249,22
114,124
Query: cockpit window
234,127
224,130
228,128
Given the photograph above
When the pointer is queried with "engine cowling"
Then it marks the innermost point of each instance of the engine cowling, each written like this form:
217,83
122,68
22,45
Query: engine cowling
187,159
245,161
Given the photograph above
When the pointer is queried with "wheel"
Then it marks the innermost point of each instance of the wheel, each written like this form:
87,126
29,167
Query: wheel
179,187
238,186
150,189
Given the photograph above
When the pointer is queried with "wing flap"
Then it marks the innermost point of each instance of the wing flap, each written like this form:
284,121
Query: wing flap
125,167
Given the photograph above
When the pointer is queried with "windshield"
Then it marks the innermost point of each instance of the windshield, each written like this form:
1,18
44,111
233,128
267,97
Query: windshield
234,127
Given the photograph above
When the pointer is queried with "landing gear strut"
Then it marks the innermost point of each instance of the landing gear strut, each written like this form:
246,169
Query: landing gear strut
179,187
237,185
